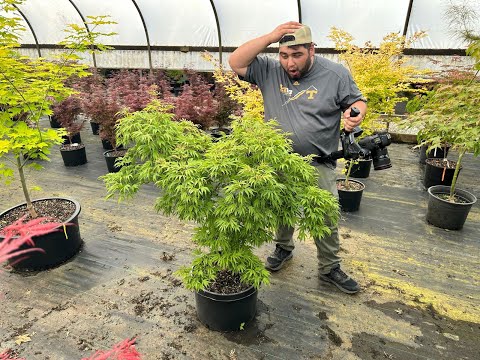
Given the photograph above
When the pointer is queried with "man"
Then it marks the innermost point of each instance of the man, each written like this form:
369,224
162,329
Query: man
307,95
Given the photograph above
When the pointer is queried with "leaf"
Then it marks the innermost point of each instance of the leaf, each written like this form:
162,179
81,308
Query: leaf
20,339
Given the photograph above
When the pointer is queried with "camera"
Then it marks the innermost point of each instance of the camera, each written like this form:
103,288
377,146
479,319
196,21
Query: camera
377,145
373,146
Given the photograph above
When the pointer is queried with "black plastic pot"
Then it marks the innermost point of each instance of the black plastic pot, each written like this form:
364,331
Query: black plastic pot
95,128
349,200
111,157
107,145
58,247
74,156
217,133
438,153
361,169
54,124
434,174
401,108
222,312
75,139
447,215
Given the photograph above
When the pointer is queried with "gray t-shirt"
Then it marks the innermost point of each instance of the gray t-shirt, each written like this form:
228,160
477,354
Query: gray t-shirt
309,108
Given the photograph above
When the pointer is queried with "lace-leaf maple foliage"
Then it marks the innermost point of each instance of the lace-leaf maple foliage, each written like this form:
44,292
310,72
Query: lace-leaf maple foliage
382,74
238,189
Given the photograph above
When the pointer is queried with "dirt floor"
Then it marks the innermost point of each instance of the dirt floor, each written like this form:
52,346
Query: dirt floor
420,295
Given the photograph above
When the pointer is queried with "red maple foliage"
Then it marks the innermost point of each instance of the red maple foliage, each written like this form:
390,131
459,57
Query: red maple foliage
66,111
196,103
20,233
124,350
7,355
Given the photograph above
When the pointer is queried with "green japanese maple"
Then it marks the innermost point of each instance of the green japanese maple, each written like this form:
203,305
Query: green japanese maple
238,189
450,115
382,75
28,88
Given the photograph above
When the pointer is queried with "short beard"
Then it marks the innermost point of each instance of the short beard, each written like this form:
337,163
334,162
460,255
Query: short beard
304,70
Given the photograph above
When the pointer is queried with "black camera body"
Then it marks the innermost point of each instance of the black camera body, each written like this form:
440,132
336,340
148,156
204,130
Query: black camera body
373,146
377,144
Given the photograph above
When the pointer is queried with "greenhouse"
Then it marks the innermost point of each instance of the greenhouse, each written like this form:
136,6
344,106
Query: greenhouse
153,154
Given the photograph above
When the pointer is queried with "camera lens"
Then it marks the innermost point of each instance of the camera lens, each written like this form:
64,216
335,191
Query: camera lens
381,160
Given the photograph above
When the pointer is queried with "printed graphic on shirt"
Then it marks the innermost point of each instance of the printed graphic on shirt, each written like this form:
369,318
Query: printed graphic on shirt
309,93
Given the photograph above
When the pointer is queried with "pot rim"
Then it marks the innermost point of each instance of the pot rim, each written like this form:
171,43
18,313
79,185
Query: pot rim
443,189
227,297
353,180
112,150
441,167
79,147
77,211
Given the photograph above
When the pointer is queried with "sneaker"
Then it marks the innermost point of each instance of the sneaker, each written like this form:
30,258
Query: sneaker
275,261
341,280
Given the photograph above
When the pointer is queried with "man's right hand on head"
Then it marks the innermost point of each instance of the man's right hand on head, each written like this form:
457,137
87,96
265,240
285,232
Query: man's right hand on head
283,29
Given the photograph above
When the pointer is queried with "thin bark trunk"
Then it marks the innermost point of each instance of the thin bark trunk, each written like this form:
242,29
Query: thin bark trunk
455,175
30,207
347,177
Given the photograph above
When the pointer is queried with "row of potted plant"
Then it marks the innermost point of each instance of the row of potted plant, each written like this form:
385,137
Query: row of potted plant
446,119
30,87
103,100
385,78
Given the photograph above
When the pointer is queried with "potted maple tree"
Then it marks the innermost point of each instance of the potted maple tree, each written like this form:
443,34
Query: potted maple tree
238,189
126,91
453,107
350,191
88,92
66,112
451,111
29,87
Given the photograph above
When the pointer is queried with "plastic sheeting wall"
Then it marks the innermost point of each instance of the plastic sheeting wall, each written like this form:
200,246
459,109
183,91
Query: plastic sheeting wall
175,32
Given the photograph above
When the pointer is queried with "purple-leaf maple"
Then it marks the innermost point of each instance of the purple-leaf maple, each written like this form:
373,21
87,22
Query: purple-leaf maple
196,103
124,350
66,112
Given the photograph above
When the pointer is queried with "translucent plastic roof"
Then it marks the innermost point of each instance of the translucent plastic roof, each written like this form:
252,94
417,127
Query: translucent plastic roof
194,25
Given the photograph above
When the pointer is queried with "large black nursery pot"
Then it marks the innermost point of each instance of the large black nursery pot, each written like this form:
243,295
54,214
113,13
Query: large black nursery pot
76,138
438,153
350,200
361,169
226,312
107,145
73,155
445,214
59,246
54,124
95,128
218,132
438,173
111,156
